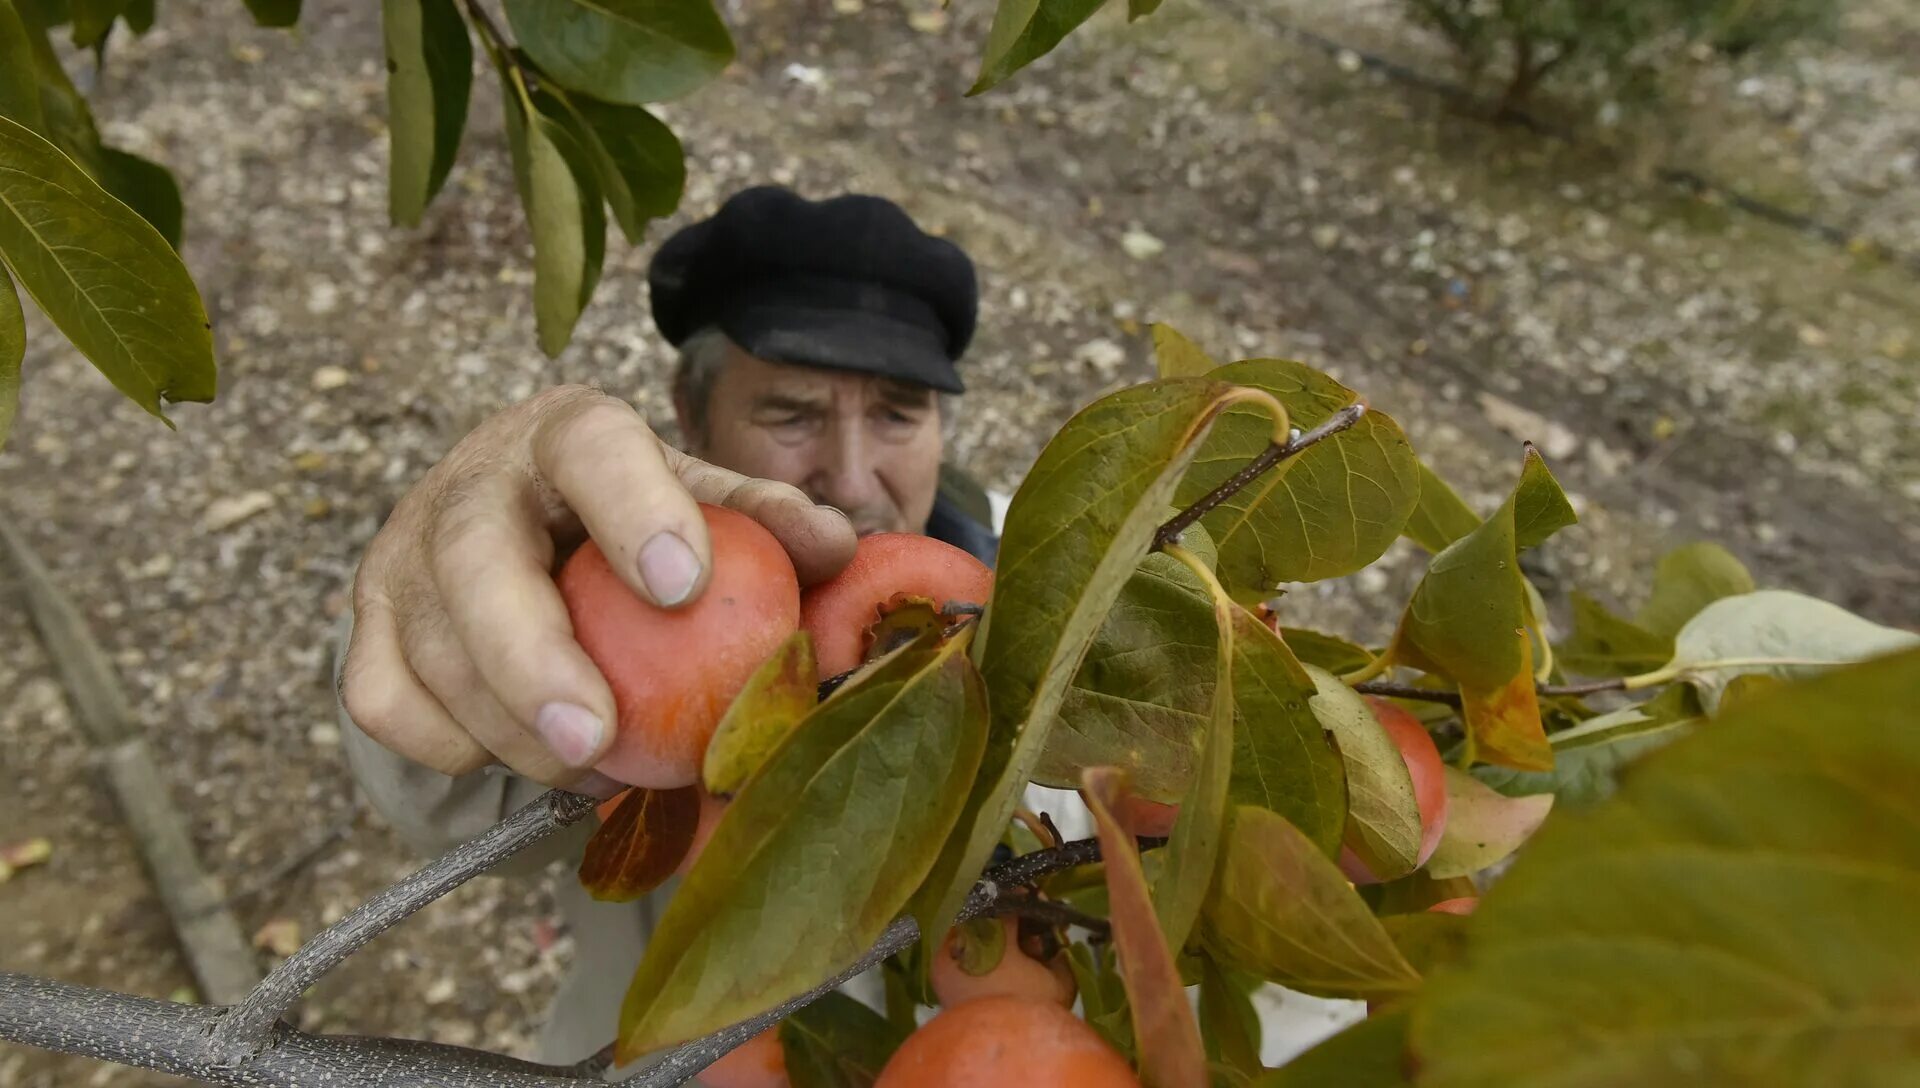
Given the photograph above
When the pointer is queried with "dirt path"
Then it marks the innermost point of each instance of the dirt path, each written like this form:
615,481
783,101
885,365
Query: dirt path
1690,373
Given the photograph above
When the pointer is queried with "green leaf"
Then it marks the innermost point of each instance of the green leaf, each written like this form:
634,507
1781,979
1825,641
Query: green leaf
1468,621
1370,1054
1283,760
1330,652
147,188
837,1042
1604,644
1023,31
139,15
276,13
627,51
1076,529
13,349
1103,997
1281,908
568,222
19,90
1483,826
818,853
1688,579
102,275
1740,912
637,158
1178,357
776,698
1775,624
1187,864
1429,939
1329,511
1142,695
1229,1024
1441,516
1383,818
429,79
1164,1028
1137,9
92,19
1588,758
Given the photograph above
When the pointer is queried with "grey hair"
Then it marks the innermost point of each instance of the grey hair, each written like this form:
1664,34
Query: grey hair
704,355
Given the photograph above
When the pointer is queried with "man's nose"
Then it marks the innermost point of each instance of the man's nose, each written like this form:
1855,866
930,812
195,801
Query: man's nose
848,475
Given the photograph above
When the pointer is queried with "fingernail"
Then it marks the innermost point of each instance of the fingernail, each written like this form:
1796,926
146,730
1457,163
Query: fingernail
669,568
595,784
573,732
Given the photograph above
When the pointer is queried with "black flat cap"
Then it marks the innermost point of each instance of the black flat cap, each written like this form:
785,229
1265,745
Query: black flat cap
848,283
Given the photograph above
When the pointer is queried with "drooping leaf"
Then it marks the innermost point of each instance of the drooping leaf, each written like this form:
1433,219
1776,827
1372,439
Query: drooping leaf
1175,356
837,1042
91,20
818,853
19,89
66,119
429,80
147,188
1023,31
1330,652
1075,531
1776,624
13,349
628,51
1688,579
1281,908
637,158
1139,9
779,694
1469,617
1187,864
1441,516
1229,1024
1383,818
1740,912
138,15
1164,1027
1142,695
102,275
1103,997
1604,644
640,845
1328,511
1482,826
565,214
274,13
1284,760
1588,758
1370,1054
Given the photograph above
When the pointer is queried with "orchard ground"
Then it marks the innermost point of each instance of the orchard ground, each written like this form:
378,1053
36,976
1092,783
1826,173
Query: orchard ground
1689,371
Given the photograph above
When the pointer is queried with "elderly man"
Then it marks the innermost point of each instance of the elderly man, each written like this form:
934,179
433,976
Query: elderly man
817,340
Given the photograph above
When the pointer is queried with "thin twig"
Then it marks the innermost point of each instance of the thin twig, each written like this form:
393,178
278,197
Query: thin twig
1051,911
1274,454
248,1027
1391,690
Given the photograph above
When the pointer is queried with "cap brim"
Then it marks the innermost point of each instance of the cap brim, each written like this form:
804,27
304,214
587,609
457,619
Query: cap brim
855,340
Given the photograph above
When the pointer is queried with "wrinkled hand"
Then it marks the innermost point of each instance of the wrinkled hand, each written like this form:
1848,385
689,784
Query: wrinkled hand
462,651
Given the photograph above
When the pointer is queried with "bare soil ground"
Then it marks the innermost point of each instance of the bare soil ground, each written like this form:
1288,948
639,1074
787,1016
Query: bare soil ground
1690,371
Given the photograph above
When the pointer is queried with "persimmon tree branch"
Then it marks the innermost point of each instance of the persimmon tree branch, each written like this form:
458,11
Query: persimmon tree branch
247,1044
1275,453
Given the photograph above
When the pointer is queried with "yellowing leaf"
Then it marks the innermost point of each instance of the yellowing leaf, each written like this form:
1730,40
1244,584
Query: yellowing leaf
1741,912
1281,908
13,349
1482,826
1469,616
103,275
818,853
1178,357
1164,1028
781,692
1328,511
1382,814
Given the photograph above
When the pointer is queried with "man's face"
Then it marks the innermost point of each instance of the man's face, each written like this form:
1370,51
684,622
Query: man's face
866,444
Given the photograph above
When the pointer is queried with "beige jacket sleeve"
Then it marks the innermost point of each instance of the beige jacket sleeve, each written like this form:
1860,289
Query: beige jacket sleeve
434,812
